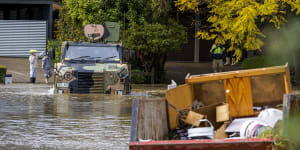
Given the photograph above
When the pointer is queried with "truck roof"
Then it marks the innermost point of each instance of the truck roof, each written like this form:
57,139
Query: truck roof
90,44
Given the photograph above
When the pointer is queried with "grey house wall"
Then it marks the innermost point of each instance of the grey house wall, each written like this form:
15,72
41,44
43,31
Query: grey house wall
17,37
43,7
24,25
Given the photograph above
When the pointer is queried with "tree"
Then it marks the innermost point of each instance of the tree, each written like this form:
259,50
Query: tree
154,33
67,28
153,41
57,1
237,21
151,30
75,14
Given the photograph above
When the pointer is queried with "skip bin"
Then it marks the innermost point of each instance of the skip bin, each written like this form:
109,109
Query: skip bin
149,132
241,89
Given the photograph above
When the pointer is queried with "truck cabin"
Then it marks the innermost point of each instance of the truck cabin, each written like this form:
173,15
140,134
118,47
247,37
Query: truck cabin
91,52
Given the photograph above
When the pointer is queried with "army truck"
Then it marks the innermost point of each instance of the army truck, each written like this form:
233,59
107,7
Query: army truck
91,68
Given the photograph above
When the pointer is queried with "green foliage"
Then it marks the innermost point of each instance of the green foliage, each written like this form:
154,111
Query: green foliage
67,28
276,133
263,61
136,64
58,1
56,45
2,67
153,41
75,14
150,29
2,72
238,21
138,77
161,8
268,61
93,11
293,132
156,37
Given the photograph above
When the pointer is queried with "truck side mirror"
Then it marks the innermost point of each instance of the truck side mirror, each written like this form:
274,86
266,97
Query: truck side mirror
128,55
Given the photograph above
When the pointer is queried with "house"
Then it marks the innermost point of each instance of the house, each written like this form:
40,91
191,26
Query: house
24,25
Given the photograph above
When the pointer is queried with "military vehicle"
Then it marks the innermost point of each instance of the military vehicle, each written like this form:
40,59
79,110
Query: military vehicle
91,68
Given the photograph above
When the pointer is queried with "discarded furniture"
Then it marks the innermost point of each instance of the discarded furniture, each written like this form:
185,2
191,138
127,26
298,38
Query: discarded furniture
241,90
149,131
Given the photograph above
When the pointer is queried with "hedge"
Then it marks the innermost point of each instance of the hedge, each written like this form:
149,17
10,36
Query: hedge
2,73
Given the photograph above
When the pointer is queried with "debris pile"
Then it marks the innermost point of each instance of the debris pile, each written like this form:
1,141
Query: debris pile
215,122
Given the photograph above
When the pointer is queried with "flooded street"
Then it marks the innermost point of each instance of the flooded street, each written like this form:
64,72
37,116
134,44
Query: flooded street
33,118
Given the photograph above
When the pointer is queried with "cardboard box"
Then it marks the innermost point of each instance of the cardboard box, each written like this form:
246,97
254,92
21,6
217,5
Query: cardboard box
222,113
193,117
220,133
210,112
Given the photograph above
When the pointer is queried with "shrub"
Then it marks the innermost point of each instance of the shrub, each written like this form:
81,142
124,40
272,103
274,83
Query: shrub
2,72
56,45
138,76
263,61
268,61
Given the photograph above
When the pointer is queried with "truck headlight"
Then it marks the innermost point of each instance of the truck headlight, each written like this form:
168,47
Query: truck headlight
68,76
123,73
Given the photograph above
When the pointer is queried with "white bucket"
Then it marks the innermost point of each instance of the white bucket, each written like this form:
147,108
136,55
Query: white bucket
8,79
271,116
120,92
202,132
251,128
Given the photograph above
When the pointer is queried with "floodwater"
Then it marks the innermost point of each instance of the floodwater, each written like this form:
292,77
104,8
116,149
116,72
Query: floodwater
31,117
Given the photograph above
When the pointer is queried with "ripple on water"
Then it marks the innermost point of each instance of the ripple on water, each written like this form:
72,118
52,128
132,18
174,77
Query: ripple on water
31,118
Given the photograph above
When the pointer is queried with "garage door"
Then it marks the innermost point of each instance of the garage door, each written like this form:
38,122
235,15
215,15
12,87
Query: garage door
17,37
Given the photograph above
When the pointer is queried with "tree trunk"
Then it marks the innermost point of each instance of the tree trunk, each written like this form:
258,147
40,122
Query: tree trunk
153,76
154,66
149,65
159,67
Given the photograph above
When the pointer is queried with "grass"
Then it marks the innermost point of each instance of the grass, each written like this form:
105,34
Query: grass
268,61
263,61
281,142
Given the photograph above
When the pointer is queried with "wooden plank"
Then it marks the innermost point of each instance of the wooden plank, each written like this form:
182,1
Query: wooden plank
192,118
210,92
180,97
267,90
287,81
134,117
222,113
239,96
210,112
236,74
152,120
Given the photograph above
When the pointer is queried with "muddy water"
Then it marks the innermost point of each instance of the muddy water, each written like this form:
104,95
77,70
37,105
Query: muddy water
33,118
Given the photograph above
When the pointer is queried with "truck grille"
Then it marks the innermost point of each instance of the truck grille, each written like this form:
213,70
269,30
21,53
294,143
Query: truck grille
90,82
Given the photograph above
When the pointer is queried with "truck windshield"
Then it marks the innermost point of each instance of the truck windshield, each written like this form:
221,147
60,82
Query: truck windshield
110,53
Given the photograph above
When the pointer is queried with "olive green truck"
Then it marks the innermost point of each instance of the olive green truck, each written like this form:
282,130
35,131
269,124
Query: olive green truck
91,68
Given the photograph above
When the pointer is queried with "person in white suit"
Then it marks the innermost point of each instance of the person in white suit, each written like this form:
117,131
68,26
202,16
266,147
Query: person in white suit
33,65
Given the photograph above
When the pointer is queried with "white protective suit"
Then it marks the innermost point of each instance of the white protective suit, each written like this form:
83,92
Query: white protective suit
33,65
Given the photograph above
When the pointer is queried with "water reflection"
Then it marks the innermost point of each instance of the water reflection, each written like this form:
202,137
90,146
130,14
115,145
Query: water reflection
32,118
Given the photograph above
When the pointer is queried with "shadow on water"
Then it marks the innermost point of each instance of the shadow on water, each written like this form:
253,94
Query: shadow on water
33,118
